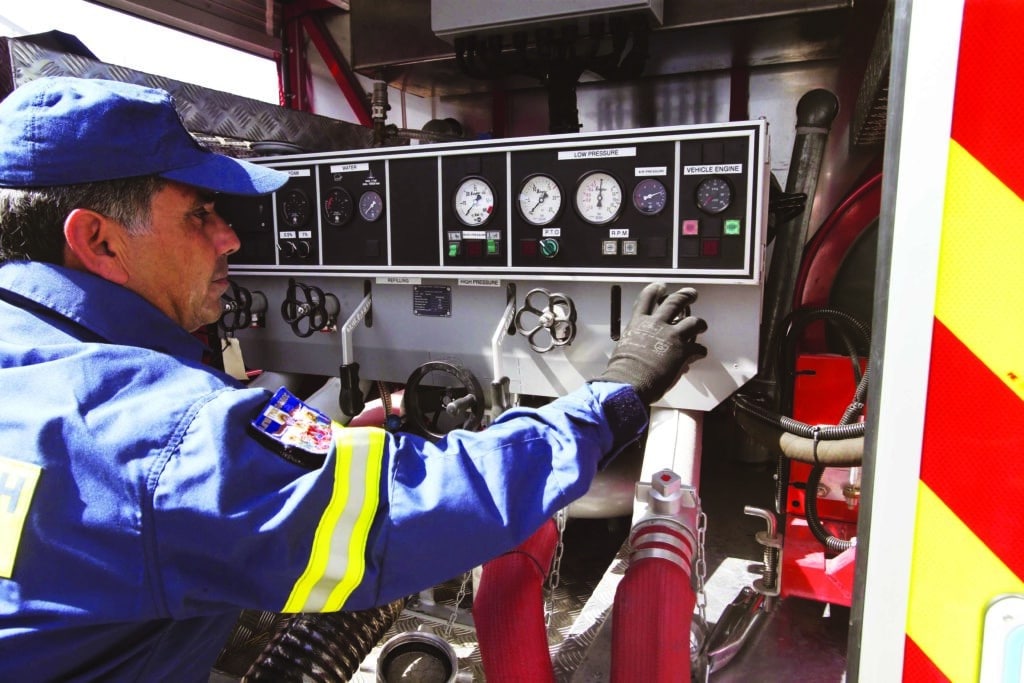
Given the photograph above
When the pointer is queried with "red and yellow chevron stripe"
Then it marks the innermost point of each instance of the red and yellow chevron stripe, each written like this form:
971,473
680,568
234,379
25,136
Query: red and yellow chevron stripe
969,531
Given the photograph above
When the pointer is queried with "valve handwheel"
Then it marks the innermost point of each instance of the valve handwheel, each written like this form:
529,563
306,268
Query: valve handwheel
438,407
555,316
309,303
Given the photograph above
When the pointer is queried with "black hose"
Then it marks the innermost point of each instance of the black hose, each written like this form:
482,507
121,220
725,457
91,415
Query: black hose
323,647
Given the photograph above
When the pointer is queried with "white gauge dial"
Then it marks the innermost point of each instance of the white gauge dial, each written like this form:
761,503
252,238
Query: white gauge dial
540,199
474,201
599,198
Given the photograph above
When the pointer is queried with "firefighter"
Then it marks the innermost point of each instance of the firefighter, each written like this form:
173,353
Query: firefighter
139,508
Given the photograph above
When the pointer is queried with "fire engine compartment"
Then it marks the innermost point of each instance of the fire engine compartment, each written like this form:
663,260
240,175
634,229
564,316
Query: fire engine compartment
379,262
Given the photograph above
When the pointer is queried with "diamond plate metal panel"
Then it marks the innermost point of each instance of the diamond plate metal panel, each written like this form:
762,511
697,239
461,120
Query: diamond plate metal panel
205,111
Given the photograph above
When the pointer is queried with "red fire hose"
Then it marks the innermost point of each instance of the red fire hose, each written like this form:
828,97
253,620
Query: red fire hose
653,609
508,611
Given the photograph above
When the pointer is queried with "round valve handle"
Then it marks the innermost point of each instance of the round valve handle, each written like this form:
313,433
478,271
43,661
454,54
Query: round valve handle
236,308
309,304
556,317
240,308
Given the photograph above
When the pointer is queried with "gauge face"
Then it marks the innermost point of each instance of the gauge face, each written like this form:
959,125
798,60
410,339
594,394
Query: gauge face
338,206
474,201
295,208
650,196
371,205
599,198
540,199
714,195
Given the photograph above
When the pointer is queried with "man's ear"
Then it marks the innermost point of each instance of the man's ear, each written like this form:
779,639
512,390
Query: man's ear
95,243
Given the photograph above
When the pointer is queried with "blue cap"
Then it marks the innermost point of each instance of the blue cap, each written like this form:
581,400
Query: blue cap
65,131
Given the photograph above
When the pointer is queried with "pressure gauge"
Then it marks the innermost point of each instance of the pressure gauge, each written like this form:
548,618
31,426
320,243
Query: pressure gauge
598,198
474,201
540,199
650,196
371,205
714,195
294,208
338,206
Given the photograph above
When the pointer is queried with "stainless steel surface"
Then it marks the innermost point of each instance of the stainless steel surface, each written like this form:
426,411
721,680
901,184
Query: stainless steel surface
203,110
450,19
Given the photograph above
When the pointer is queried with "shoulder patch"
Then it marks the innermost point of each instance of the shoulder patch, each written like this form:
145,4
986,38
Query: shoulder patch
297,432
17,484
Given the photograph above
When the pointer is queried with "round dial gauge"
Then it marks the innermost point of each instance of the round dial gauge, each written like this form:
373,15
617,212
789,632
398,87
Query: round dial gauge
474,201
714,195
650,196
338,206
540,199
371,205
599,198
295,208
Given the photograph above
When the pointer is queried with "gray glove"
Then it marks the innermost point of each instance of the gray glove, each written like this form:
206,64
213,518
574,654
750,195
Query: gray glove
658,344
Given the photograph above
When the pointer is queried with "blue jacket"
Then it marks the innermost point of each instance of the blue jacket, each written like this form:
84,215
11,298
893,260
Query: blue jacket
139,513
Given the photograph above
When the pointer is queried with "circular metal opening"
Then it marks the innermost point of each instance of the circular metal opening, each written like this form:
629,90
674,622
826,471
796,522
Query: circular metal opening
417,657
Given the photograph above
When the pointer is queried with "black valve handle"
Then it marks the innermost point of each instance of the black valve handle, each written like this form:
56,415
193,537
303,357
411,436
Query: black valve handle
350,398
307,309
237,308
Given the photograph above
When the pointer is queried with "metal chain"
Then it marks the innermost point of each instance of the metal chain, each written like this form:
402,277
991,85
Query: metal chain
555,576
701,565
459,597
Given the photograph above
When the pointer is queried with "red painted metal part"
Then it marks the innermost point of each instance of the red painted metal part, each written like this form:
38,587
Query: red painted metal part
303,18
824,386
826,250
294,68
339,68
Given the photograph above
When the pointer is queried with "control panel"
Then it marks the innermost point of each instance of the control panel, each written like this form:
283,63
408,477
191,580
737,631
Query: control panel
670,203
516,261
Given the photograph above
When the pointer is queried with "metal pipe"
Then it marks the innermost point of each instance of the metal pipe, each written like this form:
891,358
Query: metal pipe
815,112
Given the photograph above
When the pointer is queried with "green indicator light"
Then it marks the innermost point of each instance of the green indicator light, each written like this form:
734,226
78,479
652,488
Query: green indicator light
492,247
732,226
453,249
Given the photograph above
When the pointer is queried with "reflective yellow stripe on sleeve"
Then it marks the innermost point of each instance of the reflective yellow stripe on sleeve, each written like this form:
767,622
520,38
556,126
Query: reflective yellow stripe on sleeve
337,559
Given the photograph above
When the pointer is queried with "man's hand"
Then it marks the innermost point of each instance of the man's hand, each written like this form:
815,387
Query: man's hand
658,344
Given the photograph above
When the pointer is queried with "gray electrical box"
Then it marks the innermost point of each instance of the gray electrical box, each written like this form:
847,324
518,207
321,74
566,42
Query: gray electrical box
451,19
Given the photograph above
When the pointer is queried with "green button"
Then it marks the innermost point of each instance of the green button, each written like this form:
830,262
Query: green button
492,247
732,226
453,249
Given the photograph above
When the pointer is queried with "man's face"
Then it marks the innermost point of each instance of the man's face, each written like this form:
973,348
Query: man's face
180,264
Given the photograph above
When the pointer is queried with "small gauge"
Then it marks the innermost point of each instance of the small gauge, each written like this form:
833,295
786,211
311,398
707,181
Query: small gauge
295,208
371,205
598,198
474,201
714,195
540,199
650,196
338,206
